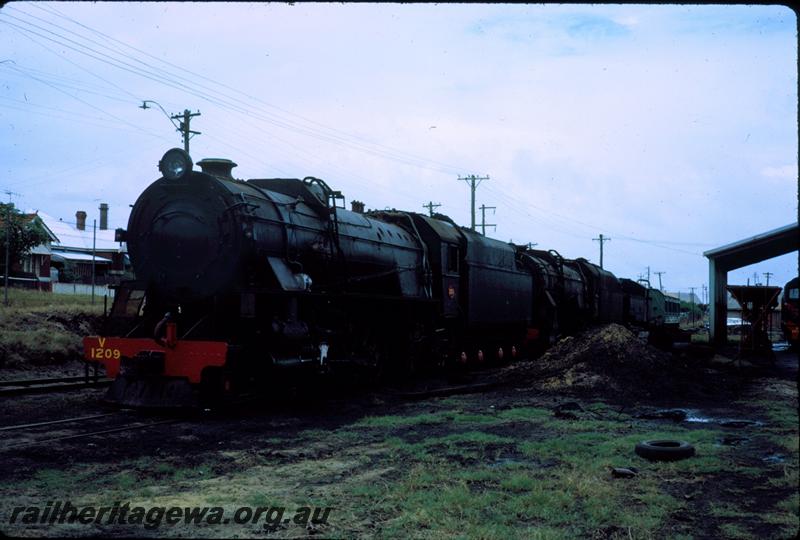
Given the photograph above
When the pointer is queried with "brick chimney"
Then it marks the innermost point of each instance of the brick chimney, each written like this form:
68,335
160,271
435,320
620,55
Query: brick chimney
80,219
103,216
357,207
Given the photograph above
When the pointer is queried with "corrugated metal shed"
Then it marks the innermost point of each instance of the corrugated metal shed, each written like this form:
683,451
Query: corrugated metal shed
738,254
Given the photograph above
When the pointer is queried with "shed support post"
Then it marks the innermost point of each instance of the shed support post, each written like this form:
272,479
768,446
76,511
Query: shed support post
717,286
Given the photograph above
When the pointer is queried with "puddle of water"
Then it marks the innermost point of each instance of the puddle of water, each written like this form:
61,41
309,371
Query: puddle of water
698,417
505,462
780,346
774,458
693,415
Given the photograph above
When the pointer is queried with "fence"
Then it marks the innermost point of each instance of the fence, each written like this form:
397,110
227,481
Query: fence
82,288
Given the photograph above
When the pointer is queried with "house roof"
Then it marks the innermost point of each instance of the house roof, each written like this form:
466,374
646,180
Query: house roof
60,256
41,249
685,297
27,217
70,237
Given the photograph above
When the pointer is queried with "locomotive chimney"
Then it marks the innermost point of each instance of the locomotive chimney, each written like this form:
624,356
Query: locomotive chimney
217,167
103,216
357,207
80,220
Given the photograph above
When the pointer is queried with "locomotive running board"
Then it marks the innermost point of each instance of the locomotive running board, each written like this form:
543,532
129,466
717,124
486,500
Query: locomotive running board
151,393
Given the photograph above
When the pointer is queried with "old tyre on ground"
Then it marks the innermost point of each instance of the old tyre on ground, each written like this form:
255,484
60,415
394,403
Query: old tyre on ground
664,450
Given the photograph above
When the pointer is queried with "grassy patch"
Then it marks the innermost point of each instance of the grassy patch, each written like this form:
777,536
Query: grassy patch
44,328
125,481
23,300
734,531
398,421
529,414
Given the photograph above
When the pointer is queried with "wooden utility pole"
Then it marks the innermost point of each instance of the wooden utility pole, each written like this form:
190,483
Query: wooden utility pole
474,182
768,275
8,247
660,287
603,240
184,126
484,208
8,244
184,120
430,206
94,253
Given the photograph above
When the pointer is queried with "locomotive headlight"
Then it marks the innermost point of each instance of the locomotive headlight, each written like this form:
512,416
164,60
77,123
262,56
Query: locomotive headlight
175,163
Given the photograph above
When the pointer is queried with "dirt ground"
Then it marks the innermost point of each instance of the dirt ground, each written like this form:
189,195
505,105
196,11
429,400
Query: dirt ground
531,457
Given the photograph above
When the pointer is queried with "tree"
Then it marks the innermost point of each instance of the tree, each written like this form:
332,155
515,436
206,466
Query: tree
23,231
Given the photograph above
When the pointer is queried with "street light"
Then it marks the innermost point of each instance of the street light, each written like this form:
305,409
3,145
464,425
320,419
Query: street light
182,127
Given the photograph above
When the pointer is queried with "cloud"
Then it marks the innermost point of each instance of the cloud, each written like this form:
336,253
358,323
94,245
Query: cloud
784,172
553,32
593,27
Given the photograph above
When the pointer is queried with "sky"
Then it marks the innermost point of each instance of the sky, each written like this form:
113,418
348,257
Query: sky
669,129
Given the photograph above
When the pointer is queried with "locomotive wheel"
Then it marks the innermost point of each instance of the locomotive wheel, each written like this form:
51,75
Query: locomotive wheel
212,385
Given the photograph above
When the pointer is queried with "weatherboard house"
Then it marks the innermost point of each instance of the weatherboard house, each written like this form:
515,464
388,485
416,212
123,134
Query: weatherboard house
76,247
32,270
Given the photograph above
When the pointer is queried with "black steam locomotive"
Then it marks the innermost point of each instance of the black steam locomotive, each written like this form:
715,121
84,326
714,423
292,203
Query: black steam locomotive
238,279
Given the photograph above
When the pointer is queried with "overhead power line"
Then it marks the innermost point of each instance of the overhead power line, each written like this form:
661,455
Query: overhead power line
238,91
176,80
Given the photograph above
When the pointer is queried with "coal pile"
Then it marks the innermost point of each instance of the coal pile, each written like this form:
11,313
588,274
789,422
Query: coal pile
609,360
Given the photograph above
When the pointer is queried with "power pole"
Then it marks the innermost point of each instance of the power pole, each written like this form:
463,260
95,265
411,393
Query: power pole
474,182
660,287
8,246
648,273
484,208
602,240
768,275
184,120
691,298
430,206
184,126
94,252
531,244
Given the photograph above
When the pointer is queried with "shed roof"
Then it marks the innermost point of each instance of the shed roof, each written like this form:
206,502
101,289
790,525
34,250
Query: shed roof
757,248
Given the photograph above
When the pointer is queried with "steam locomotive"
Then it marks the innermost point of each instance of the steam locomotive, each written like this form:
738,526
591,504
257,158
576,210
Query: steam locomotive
237,280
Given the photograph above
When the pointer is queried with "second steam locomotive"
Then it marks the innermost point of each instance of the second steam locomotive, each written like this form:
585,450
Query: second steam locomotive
238,279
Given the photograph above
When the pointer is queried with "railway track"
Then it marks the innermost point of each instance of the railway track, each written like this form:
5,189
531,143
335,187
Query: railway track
54,384
65,429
